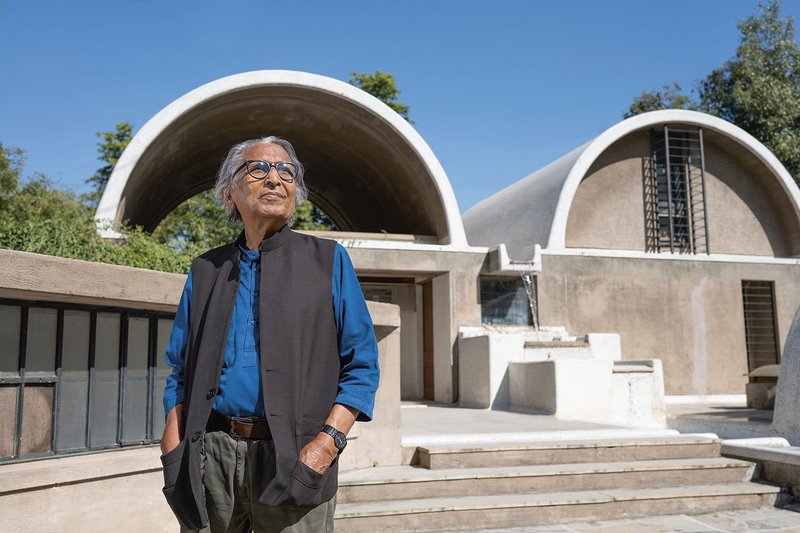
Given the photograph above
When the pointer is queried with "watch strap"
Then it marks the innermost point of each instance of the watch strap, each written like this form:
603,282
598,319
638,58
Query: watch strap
339,438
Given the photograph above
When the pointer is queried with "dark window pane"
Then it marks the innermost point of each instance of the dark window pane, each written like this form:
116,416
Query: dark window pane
74,385
41,348
135,401
9,340
8,416
162,371
105,383
504,301
37,419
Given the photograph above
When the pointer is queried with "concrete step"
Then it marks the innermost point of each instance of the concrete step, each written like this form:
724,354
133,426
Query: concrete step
568,452
395,483
516,510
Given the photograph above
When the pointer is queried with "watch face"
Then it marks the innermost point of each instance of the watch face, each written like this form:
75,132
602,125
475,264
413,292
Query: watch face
340,441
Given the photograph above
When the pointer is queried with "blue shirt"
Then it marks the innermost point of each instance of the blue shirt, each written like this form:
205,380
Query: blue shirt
240,392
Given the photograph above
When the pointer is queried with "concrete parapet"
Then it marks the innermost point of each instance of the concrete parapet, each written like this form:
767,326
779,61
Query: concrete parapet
780,462
547,371
483,364
570,389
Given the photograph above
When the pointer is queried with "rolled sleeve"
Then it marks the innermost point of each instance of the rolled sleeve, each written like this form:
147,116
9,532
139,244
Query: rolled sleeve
176,347
358,350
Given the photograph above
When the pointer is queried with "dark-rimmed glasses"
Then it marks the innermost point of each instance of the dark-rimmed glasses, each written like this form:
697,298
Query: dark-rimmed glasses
258,169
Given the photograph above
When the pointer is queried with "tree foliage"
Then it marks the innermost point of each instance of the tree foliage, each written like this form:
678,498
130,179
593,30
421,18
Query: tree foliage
109,149
382,86
46,220
198,224
758,89
670,97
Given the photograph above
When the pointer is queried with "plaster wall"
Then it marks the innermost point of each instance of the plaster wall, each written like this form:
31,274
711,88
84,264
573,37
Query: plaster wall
748,211
685,312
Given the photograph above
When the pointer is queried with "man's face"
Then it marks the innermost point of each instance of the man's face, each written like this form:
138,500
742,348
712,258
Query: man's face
270,198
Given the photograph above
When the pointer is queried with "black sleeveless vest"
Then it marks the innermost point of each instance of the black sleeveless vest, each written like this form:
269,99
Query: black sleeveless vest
299,366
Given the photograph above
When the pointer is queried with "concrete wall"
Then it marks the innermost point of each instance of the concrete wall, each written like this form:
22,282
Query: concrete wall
748,211
78,493
686,312
456,298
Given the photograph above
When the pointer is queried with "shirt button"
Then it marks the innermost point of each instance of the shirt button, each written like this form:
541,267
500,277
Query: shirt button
196,436
254,322
210,394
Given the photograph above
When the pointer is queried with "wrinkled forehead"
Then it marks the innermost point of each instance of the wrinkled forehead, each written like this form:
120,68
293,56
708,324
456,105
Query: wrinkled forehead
267,152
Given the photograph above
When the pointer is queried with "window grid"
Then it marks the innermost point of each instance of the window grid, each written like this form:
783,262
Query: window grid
760,324
27,417
675,192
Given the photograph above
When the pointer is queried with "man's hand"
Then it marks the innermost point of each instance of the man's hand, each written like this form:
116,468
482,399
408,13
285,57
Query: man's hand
320,453
173,429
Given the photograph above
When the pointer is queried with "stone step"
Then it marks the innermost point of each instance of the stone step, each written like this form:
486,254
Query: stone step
394,483
568,452
517,510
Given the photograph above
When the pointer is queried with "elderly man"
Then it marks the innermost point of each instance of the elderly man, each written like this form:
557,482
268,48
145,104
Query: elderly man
274,358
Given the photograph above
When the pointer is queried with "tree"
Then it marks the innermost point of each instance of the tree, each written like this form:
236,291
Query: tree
670,97
382,86
758,89
199,224
11,163
110,149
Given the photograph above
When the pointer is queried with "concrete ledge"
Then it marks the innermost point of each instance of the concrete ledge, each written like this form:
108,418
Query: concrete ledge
28,276
780,462
67,470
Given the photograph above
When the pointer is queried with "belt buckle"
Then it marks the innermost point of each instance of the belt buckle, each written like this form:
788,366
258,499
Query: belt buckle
232,429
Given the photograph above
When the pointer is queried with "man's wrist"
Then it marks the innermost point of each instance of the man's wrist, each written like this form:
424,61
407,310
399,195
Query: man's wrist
328,443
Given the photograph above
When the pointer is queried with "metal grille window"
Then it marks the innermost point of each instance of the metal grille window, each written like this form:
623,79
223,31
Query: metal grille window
76,378
504,301
761,332
674,187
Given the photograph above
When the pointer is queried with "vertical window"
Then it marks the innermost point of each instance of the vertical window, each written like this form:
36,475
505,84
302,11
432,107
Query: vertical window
105,381
38,373
761,332
504,301
73,394
135,386
10,328
162,370
674,187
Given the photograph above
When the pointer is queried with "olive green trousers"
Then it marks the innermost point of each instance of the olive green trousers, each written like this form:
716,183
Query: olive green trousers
236,472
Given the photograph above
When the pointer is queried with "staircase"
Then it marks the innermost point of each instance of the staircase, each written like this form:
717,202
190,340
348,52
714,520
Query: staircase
514,485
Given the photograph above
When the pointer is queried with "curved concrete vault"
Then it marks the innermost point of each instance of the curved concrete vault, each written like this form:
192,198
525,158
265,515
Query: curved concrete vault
367,168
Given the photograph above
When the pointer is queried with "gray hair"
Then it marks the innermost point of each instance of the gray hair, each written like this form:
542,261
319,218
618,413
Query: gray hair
235,158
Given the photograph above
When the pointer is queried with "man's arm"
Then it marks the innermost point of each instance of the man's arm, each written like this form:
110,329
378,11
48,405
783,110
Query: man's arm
175,352
173,429
358,361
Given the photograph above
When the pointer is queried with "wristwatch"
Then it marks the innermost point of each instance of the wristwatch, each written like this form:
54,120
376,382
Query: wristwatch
339,438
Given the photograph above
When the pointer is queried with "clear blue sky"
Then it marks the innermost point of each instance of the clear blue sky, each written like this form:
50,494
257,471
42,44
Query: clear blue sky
497,89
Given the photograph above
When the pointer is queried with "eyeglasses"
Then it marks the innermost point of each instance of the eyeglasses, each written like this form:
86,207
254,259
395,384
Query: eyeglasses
258,170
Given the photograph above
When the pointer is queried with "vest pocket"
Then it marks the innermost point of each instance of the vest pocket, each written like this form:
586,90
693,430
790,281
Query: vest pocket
178,491
171,461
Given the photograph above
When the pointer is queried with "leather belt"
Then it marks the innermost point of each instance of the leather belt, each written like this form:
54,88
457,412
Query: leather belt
239,427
